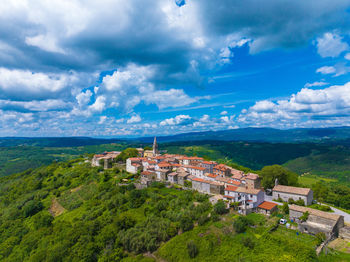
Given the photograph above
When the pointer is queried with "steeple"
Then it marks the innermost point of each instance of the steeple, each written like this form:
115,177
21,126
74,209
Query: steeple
155,146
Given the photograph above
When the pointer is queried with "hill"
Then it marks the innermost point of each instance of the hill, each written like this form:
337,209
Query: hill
70,211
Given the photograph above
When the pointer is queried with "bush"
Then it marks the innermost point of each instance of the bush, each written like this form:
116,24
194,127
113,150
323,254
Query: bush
220,208
32,207
203,219
214,217
300,202
304,217
248,242
192,249
320,237
285,208
240,224
186,223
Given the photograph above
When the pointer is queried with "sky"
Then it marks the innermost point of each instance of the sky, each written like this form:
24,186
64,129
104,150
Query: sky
116,68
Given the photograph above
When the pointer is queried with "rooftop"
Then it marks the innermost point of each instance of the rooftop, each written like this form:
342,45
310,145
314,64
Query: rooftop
292,190
267,205
315,212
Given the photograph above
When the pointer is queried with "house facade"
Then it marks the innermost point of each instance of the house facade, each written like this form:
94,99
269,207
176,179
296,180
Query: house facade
295,193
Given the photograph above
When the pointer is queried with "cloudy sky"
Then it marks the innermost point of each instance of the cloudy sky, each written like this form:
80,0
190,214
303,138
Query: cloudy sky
136,68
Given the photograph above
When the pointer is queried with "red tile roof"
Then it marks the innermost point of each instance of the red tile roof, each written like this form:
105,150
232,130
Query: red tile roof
252,176
212,175
267,205
231,188
221,167
147,173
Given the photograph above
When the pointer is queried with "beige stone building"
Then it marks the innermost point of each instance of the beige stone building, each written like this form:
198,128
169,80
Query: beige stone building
295,193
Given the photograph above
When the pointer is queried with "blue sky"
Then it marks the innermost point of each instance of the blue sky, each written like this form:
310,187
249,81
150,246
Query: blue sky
115,68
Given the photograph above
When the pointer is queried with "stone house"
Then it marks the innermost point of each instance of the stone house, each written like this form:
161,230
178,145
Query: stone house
147,177
209,165
133,165
221,170
267,208
201,185
295,193
196,171
172,177
162,174
318,221
252,180
182,177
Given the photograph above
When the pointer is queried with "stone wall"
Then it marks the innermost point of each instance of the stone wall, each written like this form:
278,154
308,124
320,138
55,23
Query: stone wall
344,233
286,196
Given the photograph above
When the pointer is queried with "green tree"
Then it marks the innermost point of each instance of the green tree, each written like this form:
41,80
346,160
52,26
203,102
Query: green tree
186,223
240,224
127,153
285,208
32,207
284,176
220,208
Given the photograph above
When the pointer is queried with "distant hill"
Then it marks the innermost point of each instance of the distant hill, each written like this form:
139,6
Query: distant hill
262,135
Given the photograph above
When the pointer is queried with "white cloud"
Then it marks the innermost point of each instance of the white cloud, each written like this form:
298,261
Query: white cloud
317,83
24,84
328,103
178,120
102,120
347,56
223,113
134,119
99,105
45,42
326,70
84,98
331,45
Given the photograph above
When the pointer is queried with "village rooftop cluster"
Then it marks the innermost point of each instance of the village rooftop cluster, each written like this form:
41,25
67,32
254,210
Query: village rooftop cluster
225,183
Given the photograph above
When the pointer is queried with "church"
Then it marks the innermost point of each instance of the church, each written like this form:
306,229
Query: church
154,152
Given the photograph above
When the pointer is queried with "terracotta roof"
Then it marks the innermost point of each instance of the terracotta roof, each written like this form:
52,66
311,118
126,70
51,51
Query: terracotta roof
231,188
252,191
237,176
209,162
315,212
221,167
152,162
147,173
234,182
200,180
292,190
135,159
229,196
215,183
134,164
223,179
252,176
177,165
267,205
163,164
197,167
172,174
212,175
236,172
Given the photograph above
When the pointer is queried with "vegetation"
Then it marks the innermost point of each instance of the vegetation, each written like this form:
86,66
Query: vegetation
70,211
285,177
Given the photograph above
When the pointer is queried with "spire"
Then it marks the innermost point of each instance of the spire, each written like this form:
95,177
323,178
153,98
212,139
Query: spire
155,146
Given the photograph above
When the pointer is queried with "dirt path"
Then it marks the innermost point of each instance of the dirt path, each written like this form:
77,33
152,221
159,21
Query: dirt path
56,209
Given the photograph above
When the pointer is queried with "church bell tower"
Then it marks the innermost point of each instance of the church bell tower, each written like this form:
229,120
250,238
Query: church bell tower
155,147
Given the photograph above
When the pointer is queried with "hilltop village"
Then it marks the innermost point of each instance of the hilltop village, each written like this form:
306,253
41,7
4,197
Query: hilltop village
224,183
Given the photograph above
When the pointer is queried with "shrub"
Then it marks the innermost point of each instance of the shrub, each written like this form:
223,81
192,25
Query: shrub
320,237
300,202
203,219
186,223
220,208
285,208
248,242
192,249
32,207
304,217
240,224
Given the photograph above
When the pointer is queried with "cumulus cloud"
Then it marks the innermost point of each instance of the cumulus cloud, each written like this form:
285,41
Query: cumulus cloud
337,70
178,120
331,45
134,119
329,103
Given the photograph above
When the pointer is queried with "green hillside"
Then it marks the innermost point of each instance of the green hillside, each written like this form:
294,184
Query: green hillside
70,211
